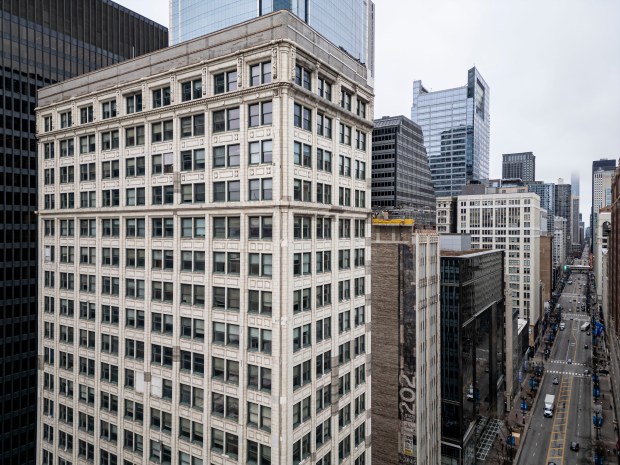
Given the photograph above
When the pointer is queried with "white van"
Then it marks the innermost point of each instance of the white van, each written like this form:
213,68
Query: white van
562,326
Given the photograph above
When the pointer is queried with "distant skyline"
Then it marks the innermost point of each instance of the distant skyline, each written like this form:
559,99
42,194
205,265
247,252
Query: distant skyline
553,68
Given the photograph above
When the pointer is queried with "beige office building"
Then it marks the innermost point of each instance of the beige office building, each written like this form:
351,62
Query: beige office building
205,253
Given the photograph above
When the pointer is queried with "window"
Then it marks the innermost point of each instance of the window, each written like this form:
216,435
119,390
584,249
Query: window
67,148
360,316
260,73
161,421
302,227
87,172
192,397
110,227
193,227
324,160
226,120
161,97
344,196
261,152
344,352
324,291
324,88
193,193
303,77
345,99
360,228
344,259
88,199
225,82
162,163
135,167
259,302
67,174
225,370
67,200
226,334
161,355
134,349
162,291
260,227
108,109
162,131
301,412
134,136
226,156
323,397
345,134
302,264
359,257
260,264
86,115
260,189
302,190
260,114
48,150
193,294
134,318
160,452
109,314
323,193
133,103
49,203
134,288
110,169
162,195
225,298
360,170
324,329
191,90
302,374
135,227
302,117
259,378
227,227
193,261
360,404
359,286
344,229
344,290
302,337
109,140
344,166
301,300
302,154
65,120
360,140
323,261
301,449
67,228
192,126
361,108
227,262
87,144
360,375
258,454
344,384
193,328
110,256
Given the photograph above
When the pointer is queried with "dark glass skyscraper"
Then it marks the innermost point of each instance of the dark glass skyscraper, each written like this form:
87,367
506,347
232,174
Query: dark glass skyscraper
401,177
348,25
519,166
456,124
42,42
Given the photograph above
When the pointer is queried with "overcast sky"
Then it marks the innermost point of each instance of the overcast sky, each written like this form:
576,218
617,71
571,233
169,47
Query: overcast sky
553,68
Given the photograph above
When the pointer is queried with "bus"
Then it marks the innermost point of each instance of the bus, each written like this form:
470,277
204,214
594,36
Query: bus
585,326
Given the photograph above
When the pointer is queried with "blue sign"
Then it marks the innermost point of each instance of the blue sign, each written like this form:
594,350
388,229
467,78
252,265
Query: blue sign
520,376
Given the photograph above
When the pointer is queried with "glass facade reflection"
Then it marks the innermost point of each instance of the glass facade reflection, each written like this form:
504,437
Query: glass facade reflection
472,349
349,24
456,127
42,42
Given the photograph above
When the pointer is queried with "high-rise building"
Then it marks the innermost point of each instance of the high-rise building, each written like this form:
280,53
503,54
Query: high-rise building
574,220
559,242
206,282
43,43
519,166
472,349
348,25
603,164
564,209
603,236
405,318
614,256
546,192
456,124
601,194
401,177
510,221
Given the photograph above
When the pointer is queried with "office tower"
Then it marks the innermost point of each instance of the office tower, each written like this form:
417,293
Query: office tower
43,42
405,318
603,235
348,25
510,221
401,177
519,166
574,217
209,281
559,242
546,192
456,125
563,209
614,257
472,349
546,266
574,182
601,193
598,166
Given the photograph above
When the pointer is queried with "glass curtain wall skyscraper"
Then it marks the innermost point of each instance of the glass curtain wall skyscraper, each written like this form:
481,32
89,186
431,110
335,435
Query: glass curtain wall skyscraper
347,24
456,126
43,42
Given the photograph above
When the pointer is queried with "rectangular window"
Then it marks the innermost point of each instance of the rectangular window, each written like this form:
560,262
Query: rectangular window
161,97
108,109
260,189
360,140
302,154
225,82
302,117
260,152
67,148
192,126
86,115
87,144
87,172
260,73
260,114
162,131
133,103
345,134
109,140
110,169
345,99
226,120
303,77
191,90
162,163
324,160
227,156
325,88
135,167
260,227
134,136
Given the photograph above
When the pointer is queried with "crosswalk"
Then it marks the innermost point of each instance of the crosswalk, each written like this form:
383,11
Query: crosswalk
569,373
564,362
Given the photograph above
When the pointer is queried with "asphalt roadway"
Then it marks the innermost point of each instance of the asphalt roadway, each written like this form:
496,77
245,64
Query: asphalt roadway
549,439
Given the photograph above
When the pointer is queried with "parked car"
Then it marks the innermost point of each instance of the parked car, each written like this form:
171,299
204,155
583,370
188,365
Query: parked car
574,446
555,380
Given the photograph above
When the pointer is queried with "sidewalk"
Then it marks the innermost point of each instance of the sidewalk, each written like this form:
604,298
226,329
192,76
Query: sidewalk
610,395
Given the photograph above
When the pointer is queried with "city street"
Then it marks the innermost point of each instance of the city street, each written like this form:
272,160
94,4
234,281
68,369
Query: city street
549,439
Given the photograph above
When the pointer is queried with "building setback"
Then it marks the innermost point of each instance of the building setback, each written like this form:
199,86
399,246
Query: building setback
43,42
401,178
472,347
210,278
519,166
456,124
406,370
